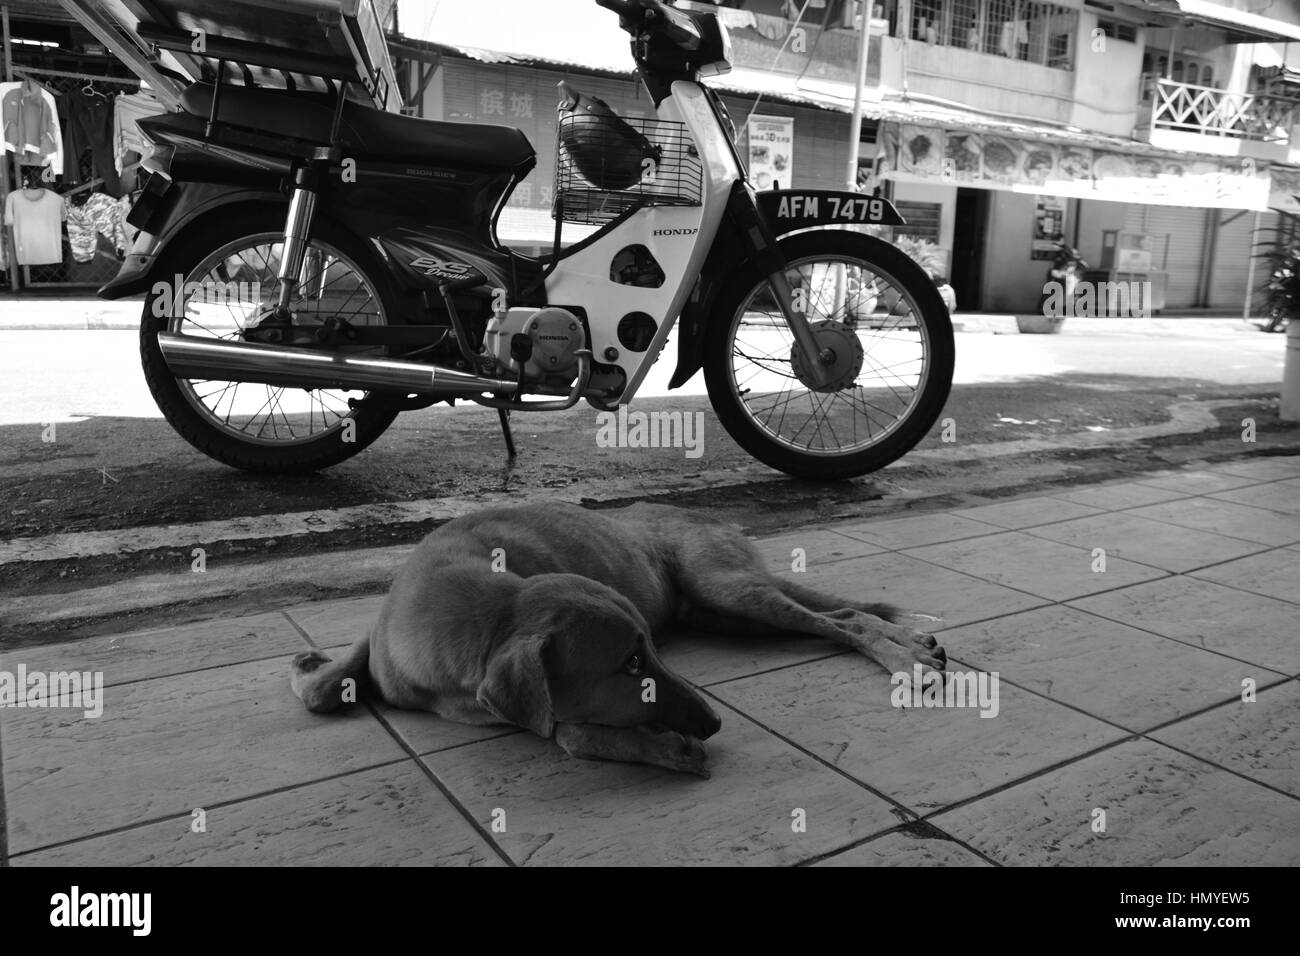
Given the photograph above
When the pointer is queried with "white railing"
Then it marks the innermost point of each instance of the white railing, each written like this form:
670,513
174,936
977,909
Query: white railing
1204,109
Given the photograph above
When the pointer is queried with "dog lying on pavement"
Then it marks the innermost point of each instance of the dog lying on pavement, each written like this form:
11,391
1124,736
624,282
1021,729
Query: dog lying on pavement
545,616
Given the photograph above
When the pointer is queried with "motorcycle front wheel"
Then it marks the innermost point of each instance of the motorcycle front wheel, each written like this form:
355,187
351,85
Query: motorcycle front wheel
220,282
883,334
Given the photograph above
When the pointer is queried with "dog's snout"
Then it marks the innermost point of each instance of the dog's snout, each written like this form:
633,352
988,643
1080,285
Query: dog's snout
710,723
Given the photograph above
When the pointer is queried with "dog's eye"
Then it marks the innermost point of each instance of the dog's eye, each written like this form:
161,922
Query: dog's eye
633,665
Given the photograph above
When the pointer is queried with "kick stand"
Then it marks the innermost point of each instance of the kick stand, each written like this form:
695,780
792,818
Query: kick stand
504,415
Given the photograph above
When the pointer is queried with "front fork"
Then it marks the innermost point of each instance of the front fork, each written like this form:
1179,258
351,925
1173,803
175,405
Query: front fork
761,247
307,181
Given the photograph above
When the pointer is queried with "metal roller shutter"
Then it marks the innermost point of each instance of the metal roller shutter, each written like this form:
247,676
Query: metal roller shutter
1232,259
1186,231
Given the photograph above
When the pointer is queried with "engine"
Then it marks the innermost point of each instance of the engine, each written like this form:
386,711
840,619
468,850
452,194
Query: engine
555,335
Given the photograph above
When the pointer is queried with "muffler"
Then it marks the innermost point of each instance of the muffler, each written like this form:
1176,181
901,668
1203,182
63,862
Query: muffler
189,356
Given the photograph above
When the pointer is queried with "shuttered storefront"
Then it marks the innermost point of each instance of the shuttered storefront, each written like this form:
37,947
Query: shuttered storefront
1186,251
1232,258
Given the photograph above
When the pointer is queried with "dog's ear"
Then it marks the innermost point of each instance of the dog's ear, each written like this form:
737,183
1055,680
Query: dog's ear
516,687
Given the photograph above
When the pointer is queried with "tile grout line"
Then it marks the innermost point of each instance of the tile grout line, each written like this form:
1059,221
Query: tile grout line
897,805
424,768
445,790
902,828
219,805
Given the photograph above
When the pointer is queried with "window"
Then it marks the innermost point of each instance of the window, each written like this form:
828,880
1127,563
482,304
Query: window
1115,30
922,219
1029,30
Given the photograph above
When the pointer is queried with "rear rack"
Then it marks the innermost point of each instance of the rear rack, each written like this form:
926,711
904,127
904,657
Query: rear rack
319,45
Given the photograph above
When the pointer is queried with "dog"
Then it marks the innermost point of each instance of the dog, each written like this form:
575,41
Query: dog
545,616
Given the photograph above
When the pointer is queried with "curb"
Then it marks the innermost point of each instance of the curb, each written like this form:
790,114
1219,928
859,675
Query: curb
77,315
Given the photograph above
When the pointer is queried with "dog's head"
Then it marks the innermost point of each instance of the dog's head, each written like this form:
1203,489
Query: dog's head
581,653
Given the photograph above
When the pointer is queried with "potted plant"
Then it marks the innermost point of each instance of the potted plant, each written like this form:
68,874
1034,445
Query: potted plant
935,263
1281,286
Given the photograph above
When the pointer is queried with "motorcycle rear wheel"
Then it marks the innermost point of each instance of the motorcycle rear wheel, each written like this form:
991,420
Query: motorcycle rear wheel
246,425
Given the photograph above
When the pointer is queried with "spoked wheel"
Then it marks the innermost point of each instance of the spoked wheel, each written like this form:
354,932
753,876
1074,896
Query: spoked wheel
228,286
884,338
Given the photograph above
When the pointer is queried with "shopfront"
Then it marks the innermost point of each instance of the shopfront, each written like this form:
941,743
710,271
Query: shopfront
70,152
1181,222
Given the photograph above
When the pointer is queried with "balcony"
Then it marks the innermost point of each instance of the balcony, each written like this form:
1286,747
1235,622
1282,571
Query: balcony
1172,111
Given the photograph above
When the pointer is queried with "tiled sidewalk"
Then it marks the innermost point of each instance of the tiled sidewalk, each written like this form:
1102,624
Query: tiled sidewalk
1121,691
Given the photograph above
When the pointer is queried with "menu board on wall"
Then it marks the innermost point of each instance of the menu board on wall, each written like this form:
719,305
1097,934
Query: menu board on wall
1049,226
771,151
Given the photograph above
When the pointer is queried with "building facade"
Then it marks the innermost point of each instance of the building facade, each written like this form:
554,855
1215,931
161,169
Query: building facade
1157,136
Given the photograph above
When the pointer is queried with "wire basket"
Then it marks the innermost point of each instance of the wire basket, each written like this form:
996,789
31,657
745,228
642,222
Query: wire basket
604,168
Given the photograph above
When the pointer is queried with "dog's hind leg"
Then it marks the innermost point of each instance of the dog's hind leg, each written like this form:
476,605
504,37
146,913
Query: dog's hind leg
743,600
665,748
319,682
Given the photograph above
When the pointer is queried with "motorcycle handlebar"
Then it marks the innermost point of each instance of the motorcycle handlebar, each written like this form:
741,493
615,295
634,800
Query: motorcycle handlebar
676,26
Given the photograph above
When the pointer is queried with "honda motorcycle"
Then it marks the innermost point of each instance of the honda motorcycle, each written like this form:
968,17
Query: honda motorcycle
314,266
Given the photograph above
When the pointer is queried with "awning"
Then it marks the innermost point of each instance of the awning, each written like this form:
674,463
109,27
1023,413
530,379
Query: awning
1242,27
1047,163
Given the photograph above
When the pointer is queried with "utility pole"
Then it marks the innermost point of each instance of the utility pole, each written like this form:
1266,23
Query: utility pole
855,123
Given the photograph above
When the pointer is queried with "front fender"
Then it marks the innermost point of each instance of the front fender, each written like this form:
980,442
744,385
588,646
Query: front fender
784,211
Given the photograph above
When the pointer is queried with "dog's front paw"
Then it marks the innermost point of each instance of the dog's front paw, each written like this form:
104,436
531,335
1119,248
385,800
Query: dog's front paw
681,753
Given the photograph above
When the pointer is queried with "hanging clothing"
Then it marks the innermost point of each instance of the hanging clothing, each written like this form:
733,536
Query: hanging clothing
89,125
128,108
29,117
37,223
99,215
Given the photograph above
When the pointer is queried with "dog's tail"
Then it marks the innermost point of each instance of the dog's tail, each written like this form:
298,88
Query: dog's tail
321,683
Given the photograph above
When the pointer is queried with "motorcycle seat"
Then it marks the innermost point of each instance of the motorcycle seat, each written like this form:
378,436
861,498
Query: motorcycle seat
365,131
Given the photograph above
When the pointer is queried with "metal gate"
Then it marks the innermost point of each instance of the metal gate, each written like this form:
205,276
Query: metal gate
1186,231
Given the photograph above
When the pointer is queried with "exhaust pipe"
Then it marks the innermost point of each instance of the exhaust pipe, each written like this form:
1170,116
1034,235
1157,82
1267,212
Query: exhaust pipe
189,356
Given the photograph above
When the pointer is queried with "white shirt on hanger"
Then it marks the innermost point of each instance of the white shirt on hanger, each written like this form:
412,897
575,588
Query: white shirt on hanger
37,222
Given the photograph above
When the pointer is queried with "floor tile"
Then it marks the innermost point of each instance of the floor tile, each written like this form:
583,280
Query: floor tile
563,811
1162,808
915,585
386,816
340,622
173,650
1227,518
1109,670
168,745
1259,739
1273,573
1198,482
1128,494
925,758
1128,536
1046,568
705,658
1265,467
819,547
904,849
424,732
912,530
1281,496
1027,512
1250,627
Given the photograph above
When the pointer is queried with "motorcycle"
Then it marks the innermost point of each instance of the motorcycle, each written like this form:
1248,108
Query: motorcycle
313,266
